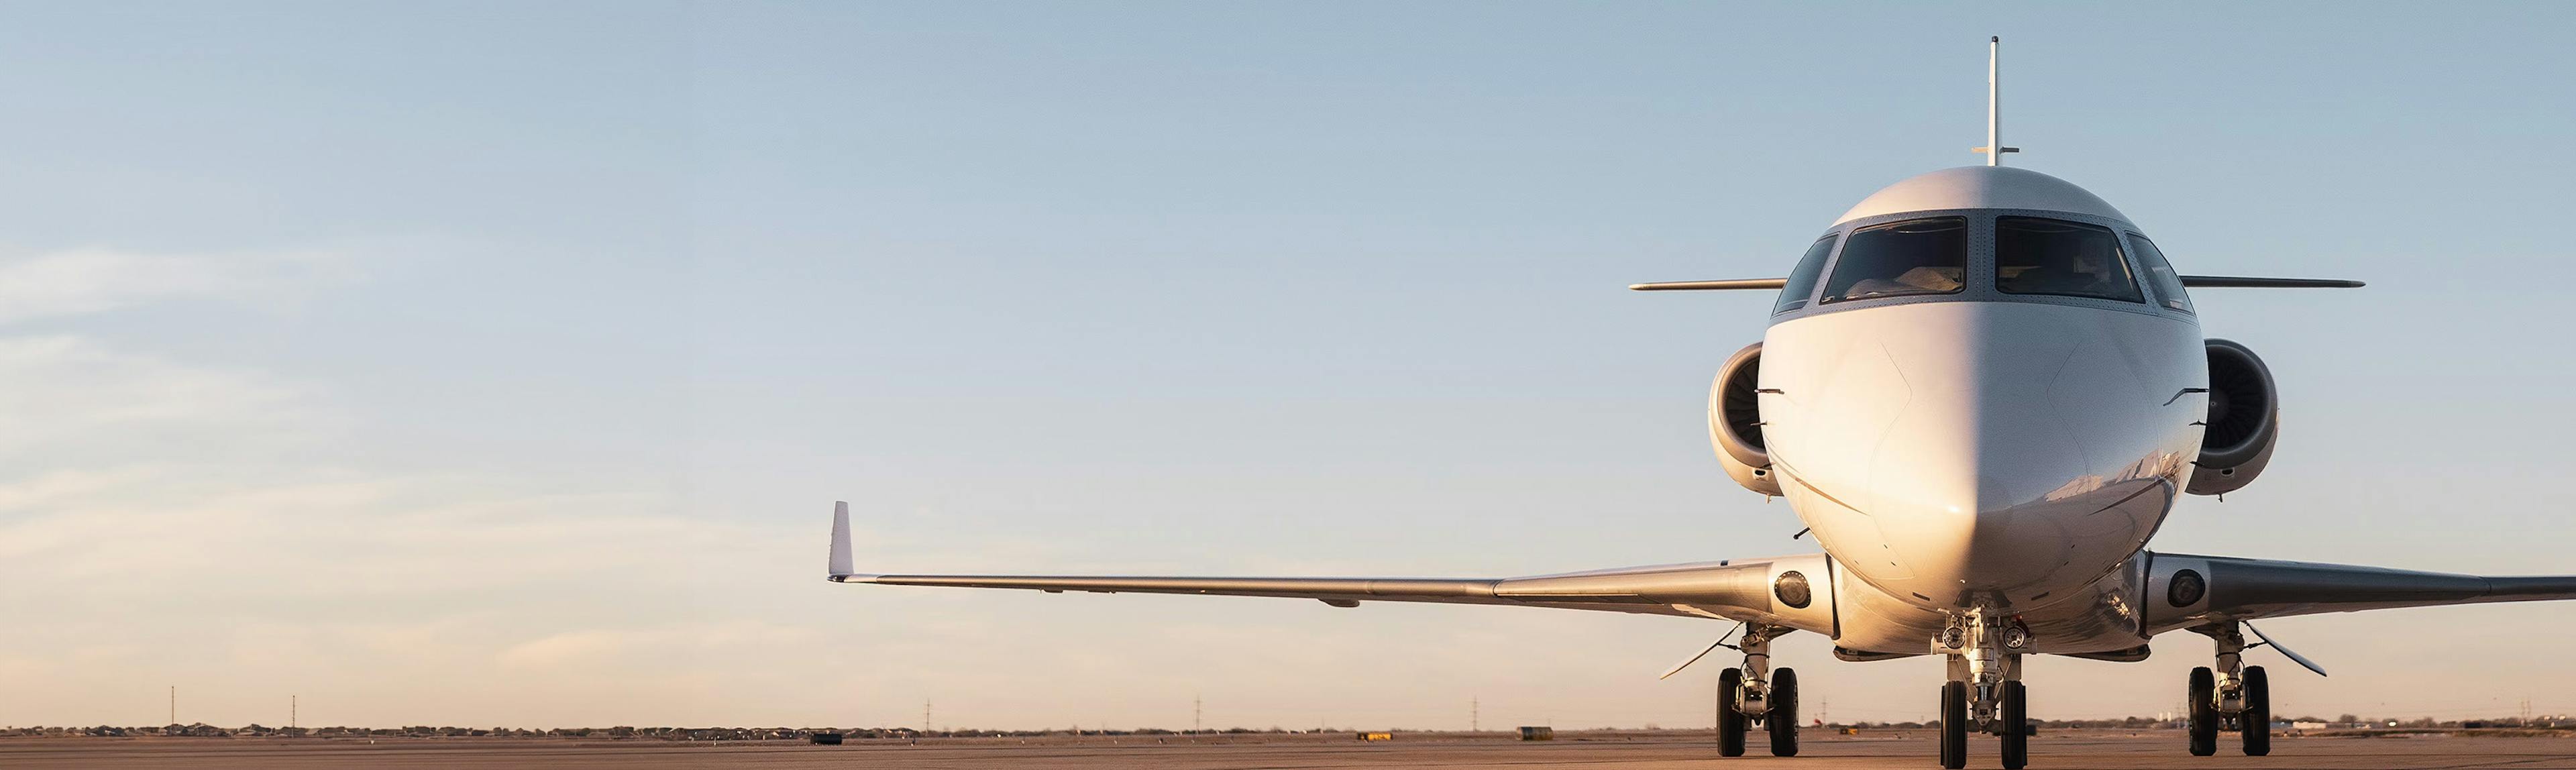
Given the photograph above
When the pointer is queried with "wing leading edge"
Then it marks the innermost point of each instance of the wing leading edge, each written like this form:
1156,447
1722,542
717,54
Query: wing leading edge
1733,590
2251,589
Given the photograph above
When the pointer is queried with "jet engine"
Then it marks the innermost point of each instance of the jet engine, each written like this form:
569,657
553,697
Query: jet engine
1735,421
2244,419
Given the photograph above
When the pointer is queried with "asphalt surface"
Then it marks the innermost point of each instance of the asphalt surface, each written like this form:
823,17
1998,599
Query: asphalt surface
2063,751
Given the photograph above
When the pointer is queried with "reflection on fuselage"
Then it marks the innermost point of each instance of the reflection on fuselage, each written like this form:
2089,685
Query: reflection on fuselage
1982,453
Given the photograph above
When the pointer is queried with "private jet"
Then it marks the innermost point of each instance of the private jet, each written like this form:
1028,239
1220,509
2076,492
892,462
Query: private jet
1982,389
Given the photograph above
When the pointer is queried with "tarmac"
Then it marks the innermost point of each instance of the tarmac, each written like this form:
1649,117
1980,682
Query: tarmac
2071,750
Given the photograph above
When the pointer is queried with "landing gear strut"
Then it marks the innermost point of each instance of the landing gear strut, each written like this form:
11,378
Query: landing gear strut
1985,692
1755,693
2231,696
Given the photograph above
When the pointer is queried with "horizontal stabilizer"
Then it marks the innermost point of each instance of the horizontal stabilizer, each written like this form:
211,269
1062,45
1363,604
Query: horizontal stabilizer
1738,283
2194,281
2235,282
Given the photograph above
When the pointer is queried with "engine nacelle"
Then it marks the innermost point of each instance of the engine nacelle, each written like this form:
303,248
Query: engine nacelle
2244,420
1735,421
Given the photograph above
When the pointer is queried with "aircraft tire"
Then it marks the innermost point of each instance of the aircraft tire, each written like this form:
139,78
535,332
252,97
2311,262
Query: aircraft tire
2204,712
2257,719
2016,719
1730,723
1954,725
1782,722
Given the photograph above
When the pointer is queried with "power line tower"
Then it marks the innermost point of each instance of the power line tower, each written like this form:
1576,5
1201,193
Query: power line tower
925,716
1195,705
290,712
1474,715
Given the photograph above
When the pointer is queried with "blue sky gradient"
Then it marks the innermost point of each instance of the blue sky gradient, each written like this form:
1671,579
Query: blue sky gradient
485,363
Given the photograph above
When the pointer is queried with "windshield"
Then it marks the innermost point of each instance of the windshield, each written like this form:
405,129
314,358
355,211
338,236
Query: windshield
1920,256
1802,281
2159,272
2051,256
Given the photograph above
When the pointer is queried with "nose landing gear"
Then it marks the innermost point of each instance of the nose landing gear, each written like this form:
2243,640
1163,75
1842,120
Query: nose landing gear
2010,707
2234,696
2016,720
1954,724
1755,693
1985,692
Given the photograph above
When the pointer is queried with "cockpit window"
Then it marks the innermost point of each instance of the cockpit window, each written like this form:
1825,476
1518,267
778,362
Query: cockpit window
2067,259
1802,281
2161,273
1919,256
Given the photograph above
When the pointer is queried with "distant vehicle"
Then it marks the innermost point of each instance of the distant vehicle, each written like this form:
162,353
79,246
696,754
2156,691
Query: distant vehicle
1530,733
1983,389
824,739
1377,736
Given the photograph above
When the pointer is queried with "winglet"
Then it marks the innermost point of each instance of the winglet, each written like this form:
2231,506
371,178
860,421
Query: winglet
840,542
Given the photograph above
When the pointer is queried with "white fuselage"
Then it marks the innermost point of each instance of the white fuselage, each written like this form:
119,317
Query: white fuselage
1994,455
1979,450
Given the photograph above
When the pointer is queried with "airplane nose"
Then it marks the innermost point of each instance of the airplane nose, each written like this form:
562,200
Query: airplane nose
1961,490
2001,451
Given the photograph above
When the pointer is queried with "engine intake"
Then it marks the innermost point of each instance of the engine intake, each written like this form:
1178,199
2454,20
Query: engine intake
2244,421
1735,421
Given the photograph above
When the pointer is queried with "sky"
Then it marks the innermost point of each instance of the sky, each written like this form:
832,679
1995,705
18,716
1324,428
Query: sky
498,364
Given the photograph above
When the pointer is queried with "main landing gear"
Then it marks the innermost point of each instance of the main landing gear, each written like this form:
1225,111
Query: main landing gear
1754,693
2233,697
1985,692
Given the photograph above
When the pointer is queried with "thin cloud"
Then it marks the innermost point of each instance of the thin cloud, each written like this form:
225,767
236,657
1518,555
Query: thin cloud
85,281
66,393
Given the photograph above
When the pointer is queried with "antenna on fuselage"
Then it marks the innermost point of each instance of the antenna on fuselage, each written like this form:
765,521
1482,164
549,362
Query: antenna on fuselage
1994,112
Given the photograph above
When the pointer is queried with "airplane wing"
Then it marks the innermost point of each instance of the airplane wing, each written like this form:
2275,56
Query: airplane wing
2222,588
1731,590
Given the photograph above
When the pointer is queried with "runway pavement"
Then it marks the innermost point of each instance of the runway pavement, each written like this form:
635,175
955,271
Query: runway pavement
2063,751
